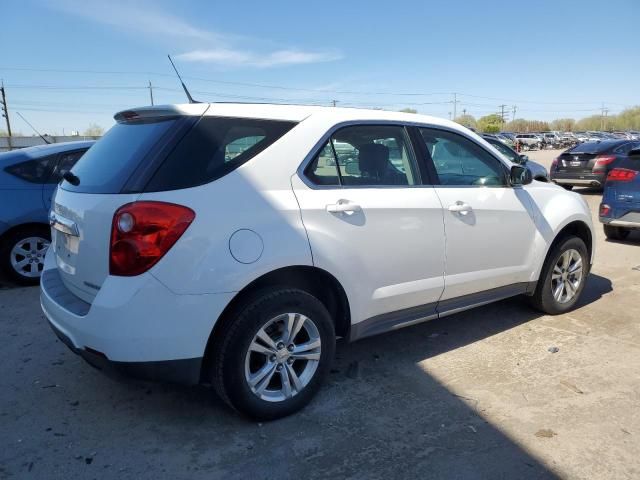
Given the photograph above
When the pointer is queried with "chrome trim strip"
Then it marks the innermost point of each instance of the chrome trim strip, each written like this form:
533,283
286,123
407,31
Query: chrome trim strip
623,223
571,181
63,224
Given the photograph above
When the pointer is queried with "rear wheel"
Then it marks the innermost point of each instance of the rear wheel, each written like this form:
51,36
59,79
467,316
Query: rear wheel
563,277
269,361
616,233
22,254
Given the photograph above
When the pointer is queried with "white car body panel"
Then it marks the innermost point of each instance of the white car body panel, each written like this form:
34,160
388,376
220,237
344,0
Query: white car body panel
405,249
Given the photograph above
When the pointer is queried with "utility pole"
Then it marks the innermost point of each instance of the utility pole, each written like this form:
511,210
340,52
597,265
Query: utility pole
502,107
333,102
603,117
464,112
5,113
455,105
151,92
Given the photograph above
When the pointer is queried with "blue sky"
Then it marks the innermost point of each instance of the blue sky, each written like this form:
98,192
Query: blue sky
549,58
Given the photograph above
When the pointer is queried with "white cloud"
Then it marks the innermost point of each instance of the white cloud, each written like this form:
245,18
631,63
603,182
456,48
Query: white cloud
245,58
213,47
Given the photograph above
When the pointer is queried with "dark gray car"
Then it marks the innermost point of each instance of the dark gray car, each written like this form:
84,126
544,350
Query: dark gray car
538,172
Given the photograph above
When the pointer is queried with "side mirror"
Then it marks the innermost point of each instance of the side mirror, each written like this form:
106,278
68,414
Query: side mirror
520,175
524,158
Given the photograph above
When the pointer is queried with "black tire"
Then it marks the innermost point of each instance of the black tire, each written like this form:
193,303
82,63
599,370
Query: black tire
236,335
10,241
543,298
567,187
616,233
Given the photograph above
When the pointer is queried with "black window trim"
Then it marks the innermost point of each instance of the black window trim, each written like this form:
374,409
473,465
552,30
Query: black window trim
51,158
425,164
319,146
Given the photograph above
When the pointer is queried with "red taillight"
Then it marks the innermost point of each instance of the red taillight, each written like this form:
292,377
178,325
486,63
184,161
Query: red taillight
602,160
142,232
604,209
621,175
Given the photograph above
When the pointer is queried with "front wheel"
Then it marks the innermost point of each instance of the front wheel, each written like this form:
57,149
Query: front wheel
563,277
269,361
616,233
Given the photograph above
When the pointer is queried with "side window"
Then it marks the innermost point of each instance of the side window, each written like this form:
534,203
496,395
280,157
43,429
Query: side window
624,149
33,171
66,161
365,155
242,143
459,161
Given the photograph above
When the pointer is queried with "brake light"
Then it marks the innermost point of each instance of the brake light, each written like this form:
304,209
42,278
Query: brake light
621,175
602,160
604,210
142,233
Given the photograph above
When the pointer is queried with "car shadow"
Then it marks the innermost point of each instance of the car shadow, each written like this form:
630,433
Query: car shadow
381,414
588,191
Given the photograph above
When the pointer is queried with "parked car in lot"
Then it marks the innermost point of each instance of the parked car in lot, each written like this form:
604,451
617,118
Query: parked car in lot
171,260
620,207
589,163
28,178
550,140
538,171
529,141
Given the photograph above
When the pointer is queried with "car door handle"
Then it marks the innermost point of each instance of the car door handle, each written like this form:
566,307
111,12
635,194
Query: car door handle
343,206
460,207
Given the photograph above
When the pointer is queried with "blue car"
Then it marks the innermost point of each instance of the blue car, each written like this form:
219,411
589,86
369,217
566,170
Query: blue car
620,207
28,178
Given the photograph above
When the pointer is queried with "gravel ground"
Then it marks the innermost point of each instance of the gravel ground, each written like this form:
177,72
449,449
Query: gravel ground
475,395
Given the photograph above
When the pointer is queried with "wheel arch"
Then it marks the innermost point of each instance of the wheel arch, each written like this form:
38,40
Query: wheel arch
314,280
577,228
16,228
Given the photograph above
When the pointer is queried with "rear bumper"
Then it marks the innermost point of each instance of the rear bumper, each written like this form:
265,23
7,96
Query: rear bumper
185,371
579,178
134,325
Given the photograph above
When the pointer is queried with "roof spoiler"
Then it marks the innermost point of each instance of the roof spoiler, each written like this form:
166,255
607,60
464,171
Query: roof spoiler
161,112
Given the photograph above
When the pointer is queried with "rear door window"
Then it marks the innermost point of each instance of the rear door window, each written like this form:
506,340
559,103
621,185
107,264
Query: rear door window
365,155
66,161
214,147
32,171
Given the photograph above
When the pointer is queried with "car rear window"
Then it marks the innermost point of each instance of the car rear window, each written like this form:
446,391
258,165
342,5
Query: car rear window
593,147
109,163
214,147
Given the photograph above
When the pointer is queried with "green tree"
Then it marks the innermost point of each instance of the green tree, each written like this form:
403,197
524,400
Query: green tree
408,110
563,124
594,122
467,121
94,130
490,123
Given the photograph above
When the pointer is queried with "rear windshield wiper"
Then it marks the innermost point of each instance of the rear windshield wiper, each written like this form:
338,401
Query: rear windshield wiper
71,178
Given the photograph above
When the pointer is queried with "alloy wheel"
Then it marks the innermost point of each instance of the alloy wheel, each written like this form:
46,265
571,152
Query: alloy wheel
27,256
283,357
566,276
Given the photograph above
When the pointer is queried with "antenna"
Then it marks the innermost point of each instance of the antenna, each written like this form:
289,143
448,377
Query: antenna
184,87
33,128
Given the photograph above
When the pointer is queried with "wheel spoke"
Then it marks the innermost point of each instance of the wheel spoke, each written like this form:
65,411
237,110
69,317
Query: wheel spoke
566,257
266,380
305,347
266,369
306,356
557,270
286,383
569,288
22,263
576,266
297,384
557,293
258,348
268,341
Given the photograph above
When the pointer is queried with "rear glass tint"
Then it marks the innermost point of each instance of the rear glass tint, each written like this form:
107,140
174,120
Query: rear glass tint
214,147
593,147
109,163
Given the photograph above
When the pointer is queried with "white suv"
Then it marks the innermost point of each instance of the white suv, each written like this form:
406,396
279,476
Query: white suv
231,244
